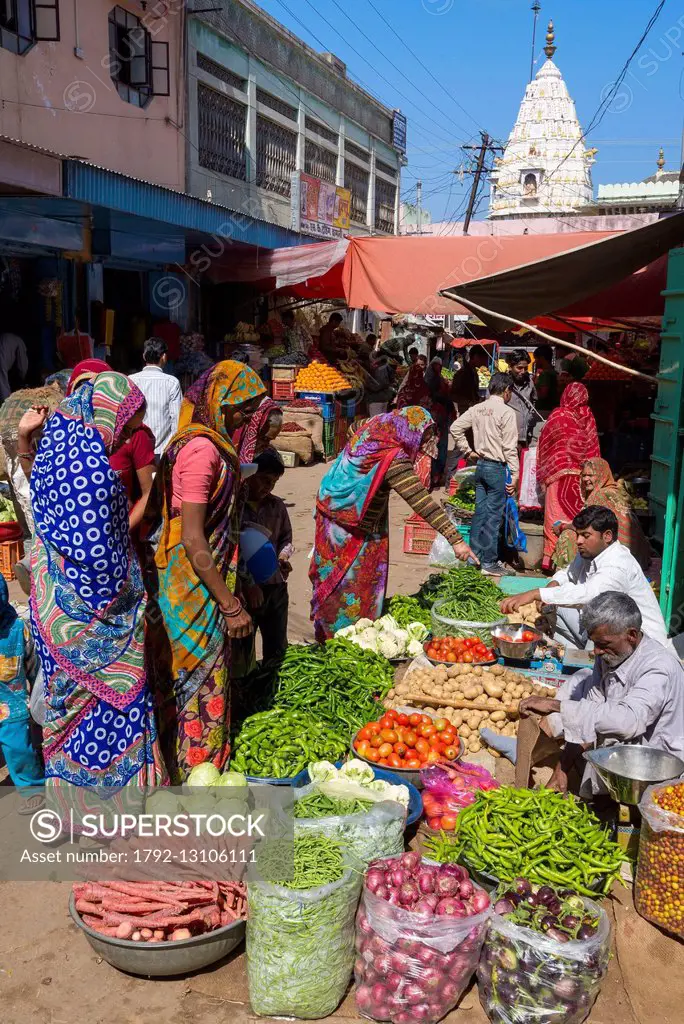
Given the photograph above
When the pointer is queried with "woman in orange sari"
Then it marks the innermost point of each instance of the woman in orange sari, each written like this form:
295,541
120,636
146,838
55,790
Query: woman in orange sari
567,440
196,613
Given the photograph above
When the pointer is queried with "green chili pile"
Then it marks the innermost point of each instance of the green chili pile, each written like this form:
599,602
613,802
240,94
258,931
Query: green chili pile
464,498
408,609
466,593
318,805
300,935
536,834
279,744
337,681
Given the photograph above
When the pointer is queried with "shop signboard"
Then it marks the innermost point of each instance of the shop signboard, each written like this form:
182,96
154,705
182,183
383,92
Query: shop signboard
318,207
399,131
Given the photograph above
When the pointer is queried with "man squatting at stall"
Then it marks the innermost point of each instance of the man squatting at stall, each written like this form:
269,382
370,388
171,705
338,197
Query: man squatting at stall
633,694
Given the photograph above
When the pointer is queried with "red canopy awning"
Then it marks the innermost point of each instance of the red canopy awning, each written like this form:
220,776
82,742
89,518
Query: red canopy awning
406,274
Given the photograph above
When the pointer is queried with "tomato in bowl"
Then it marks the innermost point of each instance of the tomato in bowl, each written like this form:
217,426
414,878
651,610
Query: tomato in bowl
456,650
407,742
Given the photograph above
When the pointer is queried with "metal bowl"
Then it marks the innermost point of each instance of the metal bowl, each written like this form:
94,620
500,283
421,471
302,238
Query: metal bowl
519,650
628,770
162,959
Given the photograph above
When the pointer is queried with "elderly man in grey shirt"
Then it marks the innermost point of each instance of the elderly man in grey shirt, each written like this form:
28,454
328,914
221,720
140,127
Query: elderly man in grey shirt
633,694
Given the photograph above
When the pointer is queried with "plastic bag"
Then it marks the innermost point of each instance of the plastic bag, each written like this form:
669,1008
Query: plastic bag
300,946
377,832
443,626
524,977
442,553
420,966
660,866
446,792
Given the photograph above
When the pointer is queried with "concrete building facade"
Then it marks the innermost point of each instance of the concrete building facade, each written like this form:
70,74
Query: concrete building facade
97,80
263,106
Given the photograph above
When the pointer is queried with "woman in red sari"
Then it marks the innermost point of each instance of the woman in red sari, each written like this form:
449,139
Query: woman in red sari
414,390
567,440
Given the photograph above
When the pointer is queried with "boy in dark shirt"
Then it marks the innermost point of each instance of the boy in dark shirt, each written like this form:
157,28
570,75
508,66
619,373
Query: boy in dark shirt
268,602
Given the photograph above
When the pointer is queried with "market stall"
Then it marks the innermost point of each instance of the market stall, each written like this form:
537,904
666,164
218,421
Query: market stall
378,732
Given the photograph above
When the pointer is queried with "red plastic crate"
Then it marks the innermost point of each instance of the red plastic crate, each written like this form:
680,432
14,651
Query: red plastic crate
282,390
418,536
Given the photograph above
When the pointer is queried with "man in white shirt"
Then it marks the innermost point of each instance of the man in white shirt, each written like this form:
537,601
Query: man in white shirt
602,565
633,694
162,392
495,435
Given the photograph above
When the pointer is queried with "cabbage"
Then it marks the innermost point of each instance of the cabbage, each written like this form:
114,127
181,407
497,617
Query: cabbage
417,631
205,774
232,779
388,646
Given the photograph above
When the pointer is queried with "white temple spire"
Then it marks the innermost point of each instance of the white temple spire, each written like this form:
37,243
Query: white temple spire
545,168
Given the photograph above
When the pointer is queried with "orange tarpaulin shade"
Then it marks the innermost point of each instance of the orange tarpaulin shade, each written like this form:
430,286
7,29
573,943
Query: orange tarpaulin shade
406,274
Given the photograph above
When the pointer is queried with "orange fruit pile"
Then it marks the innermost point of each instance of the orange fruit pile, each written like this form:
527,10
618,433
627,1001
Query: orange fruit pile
320,377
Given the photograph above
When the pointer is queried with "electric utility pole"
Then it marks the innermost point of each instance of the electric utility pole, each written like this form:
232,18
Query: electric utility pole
419,207
485,146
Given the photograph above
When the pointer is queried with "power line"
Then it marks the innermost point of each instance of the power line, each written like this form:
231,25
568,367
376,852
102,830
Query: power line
398,69
423,66
360,56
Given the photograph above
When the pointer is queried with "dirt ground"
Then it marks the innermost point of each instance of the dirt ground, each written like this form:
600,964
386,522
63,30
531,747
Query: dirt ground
50,975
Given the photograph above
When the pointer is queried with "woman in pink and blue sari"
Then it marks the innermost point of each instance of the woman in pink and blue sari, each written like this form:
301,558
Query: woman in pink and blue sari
87,596
351,555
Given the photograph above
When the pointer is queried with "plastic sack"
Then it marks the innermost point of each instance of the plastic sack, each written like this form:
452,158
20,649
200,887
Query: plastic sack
446,792
660,865
410,969
377,832
442,553
300,946
443,626
524,977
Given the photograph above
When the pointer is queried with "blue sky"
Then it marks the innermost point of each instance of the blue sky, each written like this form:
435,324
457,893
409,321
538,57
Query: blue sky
479,54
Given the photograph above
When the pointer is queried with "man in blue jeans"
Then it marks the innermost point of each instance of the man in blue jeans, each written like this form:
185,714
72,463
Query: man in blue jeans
495,437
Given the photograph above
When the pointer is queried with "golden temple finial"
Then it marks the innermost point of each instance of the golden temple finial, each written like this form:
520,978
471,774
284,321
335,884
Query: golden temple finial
550,49
660,162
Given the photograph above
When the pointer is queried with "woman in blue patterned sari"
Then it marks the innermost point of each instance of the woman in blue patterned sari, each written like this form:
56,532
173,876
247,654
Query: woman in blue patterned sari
87,597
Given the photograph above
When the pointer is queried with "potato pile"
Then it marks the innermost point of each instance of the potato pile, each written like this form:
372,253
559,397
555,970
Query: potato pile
494,688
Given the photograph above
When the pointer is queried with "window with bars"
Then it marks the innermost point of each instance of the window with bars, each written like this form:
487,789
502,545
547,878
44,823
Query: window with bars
222,122
276,104
276,156
138,65
351,150
356,179
218,71
25,22
385,197
385,169
320,162
321,129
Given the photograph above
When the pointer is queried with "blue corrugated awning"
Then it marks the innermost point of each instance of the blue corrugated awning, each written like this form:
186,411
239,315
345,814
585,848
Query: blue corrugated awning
113,191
